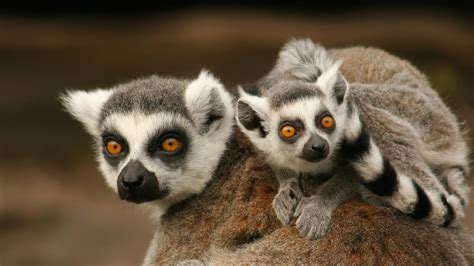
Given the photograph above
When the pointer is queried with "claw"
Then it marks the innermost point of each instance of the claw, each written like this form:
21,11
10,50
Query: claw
285,202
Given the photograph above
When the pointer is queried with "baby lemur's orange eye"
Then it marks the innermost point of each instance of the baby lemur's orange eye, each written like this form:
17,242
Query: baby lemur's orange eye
113,147
288,131
327,122
171,144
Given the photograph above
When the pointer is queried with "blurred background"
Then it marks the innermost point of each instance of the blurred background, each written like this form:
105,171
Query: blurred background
54,206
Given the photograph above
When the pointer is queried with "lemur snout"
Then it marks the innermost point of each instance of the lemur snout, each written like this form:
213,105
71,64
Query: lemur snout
132,182
321,147
136,184
315,149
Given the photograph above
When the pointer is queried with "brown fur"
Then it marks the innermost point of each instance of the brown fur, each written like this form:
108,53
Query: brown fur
232,221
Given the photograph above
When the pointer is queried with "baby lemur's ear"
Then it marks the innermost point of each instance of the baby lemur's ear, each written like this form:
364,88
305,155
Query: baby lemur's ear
86,106
252,113
302,59
208,103
333,83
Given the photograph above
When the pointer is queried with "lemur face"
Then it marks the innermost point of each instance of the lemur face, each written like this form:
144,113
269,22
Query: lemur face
299,124
158,140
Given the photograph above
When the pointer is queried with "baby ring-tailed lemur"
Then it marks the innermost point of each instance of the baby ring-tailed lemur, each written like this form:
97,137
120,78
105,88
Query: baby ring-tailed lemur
158,140
397,135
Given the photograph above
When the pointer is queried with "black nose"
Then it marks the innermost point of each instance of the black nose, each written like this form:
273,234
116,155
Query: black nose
320,147
132,182
316,149
136,184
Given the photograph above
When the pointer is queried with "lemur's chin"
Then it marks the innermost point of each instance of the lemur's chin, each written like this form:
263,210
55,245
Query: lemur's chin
138,198
314,158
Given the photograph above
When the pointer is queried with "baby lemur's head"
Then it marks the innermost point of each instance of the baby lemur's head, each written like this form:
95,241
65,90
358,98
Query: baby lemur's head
158,139
299,118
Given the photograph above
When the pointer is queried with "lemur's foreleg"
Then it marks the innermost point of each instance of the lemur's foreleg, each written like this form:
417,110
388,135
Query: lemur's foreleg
315,213
288,196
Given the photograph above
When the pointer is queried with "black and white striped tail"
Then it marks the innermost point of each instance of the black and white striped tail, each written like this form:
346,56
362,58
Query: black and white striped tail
457,183
458,188
377,175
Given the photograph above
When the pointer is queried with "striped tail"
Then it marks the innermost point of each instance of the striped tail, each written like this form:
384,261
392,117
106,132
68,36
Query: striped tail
458,189
378,176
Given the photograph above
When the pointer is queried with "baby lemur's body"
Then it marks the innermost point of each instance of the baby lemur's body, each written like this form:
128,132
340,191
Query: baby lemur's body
391,128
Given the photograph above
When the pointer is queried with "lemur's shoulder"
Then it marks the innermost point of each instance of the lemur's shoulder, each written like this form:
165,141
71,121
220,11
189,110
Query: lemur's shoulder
234,210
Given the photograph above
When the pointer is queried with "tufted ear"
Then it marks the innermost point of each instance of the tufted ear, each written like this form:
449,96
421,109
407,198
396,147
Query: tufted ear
253,113
333,83
86,106
208,102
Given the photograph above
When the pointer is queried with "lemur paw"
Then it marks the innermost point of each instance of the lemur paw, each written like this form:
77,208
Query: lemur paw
314,219
190,263
285,202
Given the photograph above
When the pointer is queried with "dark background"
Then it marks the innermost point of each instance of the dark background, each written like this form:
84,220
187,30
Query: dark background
54,206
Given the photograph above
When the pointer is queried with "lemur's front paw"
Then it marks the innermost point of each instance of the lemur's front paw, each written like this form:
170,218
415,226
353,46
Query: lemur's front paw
190,263
286,200
314,219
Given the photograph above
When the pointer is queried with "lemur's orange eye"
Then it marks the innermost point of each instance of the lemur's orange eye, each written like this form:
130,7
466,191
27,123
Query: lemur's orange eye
113,147
327,122
171,144
288,131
